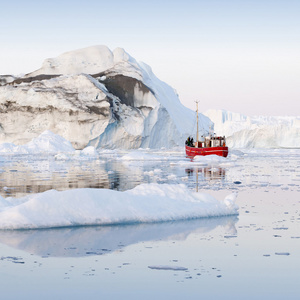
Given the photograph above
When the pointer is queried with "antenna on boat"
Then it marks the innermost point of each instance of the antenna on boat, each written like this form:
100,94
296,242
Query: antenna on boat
197,122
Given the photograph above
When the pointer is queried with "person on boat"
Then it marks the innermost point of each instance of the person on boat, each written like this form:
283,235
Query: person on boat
187,142
192,142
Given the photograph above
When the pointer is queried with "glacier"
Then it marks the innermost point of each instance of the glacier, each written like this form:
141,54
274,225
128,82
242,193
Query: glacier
95,97
243,131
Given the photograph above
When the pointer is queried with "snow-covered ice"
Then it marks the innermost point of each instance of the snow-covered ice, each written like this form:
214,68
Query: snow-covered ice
46,142
50,144
145,203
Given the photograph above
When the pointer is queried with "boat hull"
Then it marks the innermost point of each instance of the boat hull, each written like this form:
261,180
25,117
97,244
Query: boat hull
193,151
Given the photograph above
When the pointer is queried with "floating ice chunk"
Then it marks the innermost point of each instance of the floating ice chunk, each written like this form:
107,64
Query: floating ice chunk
169,268
145,203
89,151
172,177
230,200
210,158
46,142
62,156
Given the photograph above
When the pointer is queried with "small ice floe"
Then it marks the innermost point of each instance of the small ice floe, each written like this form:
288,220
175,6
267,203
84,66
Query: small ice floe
230,236
281,228
168,268
154,172
282,253
89,151
13,259
230,200
172,177
210,159
62,156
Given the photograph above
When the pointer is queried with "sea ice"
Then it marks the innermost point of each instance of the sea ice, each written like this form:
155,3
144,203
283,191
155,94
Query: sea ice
143,204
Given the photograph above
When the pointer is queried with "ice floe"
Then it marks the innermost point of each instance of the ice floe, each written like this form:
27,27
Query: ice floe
145,203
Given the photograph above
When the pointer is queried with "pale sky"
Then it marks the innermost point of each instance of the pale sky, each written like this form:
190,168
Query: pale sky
238,55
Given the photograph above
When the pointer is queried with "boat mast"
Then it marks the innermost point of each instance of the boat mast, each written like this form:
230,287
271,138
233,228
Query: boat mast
197,122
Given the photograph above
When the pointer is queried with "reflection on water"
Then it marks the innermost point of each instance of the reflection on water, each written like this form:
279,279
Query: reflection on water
99,240
27,176
207,173
21,175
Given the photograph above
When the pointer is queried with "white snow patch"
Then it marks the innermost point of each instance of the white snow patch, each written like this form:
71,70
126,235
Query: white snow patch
89,60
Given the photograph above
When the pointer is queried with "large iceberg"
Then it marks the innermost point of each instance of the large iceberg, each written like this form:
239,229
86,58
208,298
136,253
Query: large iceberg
98,97
256,132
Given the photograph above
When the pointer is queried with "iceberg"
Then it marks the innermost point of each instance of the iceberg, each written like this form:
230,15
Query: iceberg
256,132
46,142
95,97
146,203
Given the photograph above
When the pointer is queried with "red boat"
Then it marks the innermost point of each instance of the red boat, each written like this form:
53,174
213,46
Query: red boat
206,146
193,151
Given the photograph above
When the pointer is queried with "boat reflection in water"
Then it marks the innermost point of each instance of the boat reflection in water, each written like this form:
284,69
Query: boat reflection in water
208,174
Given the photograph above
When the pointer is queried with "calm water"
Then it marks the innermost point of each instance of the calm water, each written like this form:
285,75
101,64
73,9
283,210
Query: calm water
253,256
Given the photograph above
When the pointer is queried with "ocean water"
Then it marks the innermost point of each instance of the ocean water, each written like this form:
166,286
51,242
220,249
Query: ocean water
255,255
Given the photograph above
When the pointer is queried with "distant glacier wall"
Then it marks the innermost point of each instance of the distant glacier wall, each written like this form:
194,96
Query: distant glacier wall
256,132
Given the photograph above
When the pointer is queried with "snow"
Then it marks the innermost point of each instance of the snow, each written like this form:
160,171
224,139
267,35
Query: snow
145,203
256,132
89,60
